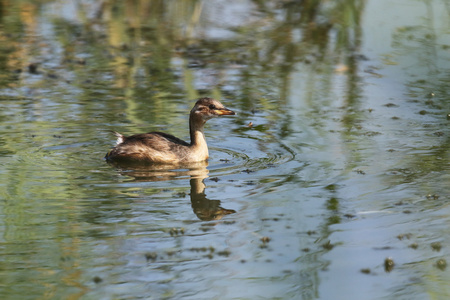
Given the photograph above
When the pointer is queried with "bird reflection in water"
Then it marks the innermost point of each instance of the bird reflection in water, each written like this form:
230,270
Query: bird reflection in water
204,208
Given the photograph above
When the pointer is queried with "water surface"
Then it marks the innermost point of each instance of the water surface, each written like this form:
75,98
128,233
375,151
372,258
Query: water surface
332,182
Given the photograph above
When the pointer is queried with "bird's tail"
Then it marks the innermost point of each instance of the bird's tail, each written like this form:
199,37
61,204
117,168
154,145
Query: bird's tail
120,137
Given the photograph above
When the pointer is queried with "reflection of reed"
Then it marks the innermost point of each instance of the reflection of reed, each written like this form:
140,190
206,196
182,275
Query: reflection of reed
204,208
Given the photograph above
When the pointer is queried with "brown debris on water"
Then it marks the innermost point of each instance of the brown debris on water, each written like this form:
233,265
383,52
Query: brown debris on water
441,264
389,264
436,246
33,68
97,280
365,271
151,256
414,246
265,239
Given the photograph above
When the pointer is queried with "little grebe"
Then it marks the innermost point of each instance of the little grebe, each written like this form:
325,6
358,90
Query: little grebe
159,147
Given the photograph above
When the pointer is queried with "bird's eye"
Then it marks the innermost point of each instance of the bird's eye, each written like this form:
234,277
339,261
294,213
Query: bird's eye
212,106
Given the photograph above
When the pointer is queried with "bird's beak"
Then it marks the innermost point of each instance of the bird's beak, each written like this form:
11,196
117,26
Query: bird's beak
224,112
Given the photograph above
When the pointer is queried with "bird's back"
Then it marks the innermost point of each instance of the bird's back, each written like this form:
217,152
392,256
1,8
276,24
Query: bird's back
156,147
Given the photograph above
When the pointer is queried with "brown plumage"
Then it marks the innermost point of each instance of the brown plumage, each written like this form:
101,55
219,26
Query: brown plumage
159,147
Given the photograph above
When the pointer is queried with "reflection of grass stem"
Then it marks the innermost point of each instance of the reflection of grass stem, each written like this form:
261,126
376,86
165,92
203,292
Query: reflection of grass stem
194,20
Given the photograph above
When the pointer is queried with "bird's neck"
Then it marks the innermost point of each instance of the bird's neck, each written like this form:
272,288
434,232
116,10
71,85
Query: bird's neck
198,141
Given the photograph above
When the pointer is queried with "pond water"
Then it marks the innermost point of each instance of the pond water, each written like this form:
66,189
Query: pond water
332,182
